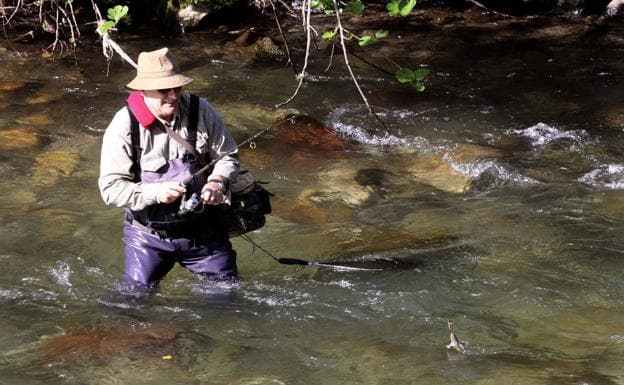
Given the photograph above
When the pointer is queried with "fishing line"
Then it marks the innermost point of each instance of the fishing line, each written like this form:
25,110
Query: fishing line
303,262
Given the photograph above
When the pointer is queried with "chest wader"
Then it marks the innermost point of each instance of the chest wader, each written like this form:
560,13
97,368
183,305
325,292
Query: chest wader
164,219
157,236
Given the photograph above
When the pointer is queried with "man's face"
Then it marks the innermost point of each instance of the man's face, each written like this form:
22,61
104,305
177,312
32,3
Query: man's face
163,102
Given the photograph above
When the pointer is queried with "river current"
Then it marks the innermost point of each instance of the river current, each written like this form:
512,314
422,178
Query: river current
493,200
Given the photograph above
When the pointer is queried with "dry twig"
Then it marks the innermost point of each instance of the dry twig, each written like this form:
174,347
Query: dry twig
346,59
305,11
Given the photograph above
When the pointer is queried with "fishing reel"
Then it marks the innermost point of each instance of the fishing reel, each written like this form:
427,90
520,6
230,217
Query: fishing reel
189,205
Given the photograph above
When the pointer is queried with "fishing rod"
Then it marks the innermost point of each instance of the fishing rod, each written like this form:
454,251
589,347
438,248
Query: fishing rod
303,262
207,167
188,205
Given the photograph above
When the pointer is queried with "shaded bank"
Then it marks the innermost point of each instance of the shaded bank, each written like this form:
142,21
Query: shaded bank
73,23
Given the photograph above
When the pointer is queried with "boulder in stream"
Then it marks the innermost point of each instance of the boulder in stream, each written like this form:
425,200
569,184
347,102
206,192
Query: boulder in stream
18,139
36,119
79,346
303,132
10,85
50,166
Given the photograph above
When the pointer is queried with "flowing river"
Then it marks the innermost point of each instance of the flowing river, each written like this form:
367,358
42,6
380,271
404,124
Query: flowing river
494,200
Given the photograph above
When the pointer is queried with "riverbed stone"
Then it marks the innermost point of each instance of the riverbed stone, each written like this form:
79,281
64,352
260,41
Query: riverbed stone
50,166
45,96
582,331
306,132
470,153
543,102
105,344
612,204
265,48
193,14
55,223
250,117
613,116
436,169
18,139
10,85
431,169
36,119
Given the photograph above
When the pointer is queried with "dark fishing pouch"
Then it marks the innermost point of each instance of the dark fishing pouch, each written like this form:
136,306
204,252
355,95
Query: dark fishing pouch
250,203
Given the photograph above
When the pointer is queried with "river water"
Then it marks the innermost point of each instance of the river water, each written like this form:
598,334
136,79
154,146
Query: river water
494,201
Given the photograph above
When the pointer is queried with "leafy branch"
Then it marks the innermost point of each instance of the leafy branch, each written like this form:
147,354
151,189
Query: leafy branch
341,35
114,15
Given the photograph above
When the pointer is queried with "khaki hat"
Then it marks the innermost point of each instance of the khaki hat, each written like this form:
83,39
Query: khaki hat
156,71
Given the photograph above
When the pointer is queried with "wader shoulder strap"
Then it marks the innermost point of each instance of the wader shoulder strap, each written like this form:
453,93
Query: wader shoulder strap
135,136
135,141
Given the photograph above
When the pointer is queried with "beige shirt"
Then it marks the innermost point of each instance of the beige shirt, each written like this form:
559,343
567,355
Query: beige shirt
116,181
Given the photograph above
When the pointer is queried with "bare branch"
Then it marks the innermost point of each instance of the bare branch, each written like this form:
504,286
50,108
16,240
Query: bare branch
308,29
331,57
279,27
346,59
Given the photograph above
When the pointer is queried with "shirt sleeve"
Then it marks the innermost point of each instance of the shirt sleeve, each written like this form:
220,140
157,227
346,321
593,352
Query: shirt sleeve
220,143
116,181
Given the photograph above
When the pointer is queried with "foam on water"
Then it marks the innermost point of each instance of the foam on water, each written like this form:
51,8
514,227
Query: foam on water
61,272
479,168
542,134
361,136
610,176
344,120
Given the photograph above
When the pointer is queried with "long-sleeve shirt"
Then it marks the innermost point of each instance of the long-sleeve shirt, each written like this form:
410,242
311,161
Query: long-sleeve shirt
117,180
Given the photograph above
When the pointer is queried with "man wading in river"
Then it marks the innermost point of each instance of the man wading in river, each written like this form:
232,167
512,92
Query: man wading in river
159,139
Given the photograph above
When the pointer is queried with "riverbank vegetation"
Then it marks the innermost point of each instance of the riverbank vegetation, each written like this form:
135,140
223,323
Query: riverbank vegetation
282,30
66,23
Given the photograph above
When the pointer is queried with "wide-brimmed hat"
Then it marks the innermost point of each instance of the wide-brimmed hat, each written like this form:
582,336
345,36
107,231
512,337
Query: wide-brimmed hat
156,71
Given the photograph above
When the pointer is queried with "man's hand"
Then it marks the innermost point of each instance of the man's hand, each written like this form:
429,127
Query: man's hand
167,192
212,192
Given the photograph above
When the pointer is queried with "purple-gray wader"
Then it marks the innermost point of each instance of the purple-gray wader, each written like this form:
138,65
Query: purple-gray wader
154,240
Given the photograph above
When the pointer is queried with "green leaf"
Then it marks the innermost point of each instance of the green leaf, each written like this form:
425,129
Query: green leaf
420,87
421,74
400,7
381,34
393,7
117,13
406,7
405,75
355,7
329,34
104,27
366,40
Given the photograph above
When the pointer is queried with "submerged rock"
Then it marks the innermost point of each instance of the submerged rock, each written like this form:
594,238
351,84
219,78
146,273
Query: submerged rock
102,345
250,117
8,86
18,139
37,119
304,132
45,96
613,204
56,222
50,166
434,171
451,171
265,48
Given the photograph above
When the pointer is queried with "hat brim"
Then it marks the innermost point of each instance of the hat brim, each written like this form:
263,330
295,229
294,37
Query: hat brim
160,83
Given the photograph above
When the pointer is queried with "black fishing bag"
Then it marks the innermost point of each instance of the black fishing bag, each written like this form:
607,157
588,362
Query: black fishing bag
250,202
